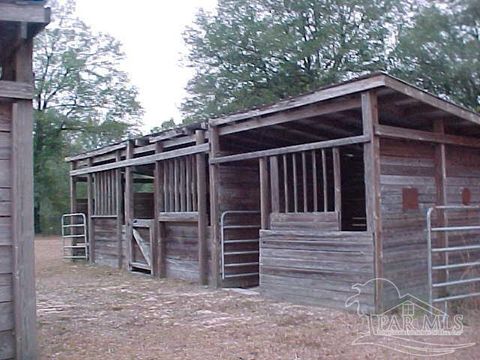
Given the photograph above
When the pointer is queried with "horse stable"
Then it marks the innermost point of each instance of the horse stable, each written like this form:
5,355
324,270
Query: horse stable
304,198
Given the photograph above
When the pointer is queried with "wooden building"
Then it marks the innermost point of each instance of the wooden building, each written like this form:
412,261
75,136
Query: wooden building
19,23
305,197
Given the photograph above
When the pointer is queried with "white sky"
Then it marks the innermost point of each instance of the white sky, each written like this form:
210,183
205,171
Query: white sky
151,33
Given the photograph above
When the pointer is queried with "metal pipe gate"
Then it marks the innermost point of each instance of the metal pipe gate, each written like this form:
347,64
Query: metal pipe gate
450,264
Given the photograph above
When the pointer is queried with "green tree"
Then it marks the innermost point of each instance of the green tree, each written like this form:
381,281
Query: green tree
166,125
252,52
441,51
83,100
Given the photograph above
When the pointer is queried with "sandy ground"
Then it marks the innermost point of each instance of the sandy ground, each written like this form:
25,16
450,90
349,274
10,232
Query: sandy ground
92,312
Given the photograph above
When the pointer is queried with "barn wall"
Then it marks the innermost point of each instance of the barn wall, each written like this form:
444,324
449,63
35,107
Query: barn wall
106,241
316,267
239,189
463,183
181,241
143,206
7,341
405,165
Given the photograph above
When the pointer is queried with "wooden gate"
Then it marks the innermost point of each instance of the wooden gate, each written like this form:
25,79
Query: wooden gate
141,246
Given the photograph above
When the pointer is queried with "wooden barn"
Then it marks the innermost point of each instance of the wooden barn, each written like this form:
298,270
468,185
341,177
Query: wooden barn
303,198
19,23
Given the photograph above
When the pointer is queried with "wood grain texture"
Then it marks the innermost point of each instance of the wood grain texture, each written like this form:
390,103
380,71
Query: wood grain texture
314,267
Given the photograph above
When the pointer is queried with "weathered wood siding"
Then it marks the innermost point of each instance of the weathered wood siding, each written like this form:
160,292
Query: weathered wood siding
7,340
181,242
143,206
405,165
106,241
316,267
239,185
463,183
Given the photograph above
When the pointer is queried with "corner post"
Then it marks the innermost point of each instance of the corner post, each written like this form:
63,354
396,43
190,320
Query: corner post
370,118
22,212
214,139
202,210
441,197
119,210
129,203
158,245
90,210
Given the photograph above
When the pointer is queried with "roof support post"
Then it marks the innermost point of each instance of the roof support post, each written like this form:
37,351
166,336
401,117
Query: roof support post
202,210
22,212
214,139
370,118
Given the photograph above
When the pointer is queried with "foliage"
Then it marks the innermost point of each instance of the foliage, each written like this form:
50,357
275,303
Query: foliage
83,101
441,51
252,52
166,125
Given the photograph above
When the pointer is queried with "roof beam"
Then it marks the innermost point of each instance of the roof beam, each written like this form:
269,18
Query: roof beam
150,159
28,13
432,100
291,149
291,115
419,135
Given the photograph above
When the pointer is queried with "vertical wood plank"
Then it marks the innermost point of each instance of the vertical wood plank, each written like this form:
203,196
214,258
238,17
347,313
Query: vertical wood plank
325,181
171,187
166,198
304,179
201,176
372,187
119,210
22,213
264,193
175,184
181,167
214,139
188,183
194,182
337,179
158,239
129,203
274,184
315,181
295,182
285,182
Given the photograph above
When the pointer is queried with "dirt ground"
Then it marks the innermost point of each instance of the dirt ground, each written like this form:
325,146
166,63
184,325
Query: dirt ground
93,312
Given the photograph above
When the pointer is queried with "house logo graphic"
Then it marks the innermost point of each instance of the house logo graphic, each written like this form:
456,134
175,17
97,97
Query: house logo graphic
405,326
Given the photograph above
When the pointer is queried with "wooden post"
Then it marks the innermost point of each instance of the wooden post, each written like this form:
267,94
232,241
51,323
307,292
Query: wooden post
275,185
129,203
264,193
372,188
158,244
73,190
73,207
202,210
119,210
214,207
22,213
441,197
337,179
90,210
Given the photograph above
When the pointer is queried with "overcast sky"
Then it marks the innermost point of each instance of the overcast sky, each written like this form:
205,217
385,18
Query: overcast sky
151,32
